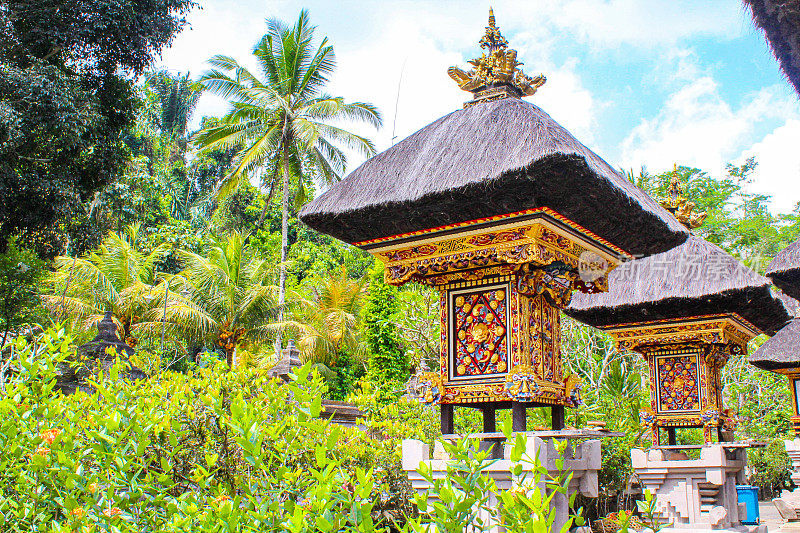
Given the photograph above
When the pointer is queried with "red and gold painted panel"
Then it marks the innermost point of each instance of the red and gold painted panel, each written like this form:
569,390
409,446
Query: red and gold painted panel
490,334
479,331
678,383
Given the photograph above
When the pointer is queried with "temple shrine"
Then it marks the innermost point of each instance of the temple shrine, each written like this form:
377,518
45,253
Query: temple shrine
687,311
507,214
781,354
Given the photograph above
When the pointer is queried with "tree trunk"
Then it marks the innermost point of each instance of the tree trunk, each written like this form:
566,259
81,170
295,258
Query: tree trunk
284,248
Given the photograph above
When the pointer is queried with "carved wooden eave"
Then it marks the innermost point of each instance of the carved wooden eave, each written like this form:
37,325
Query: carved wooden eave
497,246
724,329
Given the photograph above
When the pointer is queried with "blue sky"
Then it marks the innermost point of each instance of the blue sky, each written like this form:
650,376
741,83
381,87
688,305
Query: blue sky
642,83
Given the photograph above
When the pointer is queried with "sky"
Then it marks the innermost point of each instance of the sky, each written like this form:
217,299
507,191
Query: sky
643,84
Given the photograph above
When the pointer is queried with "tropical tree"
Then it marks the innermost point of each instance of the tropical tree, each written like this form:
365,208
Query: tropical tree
282,123
116,276
228,298
325,323
178,96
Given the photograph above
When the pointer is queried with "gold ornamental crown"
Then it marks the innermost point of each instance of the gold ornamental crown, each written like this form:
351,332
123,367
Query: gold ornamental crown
676,203
495,75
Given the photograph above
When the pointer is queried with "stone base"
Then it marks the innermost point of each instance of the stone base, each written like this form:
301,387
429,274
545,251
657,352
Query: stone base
761,528
792,497
582,460
694,494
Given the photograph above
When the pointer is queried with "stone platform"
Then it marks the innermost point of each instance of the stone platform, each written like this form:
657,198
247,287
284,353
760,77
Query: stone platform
582,459
696,495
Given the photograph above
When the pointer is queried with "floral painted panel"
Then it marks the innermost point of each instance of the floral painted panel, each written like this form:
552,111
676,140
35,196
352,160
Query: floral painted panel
678,383
479,333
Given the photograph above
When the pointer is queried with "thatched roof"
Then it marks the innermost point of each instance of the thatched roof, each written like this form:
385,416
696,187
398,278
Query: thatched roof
695,279
781,351
780,22
490,159
784,270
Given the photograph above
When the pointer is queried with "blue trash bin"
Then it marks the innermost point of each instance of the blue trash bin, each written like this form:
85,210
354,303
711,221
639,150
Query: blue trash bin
748,495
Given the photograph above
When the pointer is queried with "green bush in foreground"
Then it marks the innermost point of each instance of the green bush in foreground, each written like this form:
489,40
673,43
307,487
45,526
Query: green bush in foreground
221,451
205,451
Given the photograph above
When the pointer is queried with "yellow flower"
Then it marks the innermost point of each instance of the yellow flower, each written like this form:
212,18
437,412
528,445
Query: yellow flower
92,487
112,512
78,512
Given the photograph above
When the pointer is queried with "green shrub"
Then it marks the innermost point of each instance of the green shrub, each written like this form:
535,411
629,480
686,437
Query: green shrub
208,450
770,469
388,362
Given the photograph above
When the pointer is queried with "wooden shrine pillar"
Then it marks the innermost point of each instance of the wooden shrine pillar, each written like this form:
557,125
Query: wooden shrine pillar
518,417
558,417
446,417
489,418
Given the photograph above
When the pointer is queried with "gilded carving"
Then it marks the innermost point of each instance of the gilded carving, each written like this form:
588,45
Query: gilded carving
555,282
497,70
677,204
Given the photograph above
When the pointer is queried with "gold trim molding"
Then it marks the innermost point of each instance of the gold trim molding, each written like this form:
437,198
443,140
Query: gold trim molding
473,253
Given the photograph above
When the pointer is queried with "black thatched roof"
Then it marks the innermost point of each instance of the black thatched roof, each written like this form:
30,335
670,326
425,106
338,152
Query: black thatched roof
782,351
784,270
491,159
695,279
780,22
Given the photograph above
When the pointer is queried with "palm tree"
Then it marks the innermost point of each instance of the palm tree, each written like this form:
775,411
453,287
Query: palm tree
326,324
283,122
227,297
116,276
177,96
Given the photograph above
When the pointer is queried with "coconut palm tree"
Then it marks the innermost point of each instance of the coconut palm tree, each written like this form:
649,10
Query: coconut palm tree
283,121
226,295
177,95
116,276
325,324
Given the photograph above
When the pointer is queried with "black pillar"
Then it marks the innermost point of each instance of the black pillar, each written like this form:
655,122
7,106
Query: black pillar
671,437
518,419
489,419
446,417
558,417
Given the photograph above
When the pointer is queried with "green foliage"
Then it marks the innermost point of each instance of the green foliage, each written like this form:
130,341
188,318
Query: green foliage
738,221
388,362
118,276
347,372
205,451
21,272
770,469
460,501
67,97
228,295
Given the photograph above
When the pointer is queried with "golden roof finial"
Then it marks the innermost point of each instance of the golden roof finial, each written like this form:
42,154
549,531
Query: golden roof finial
493,39
495,75
679,206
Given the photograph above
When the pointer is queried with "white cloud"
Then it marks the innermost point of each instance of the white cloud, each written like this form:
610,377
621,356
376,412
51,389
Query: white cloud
646,24
698,127
778,170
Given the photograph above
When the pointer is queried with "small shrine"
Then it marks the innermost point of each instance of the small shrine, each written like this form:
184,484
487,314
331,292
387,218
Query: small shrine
781,354
687,311
507,214
99,354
